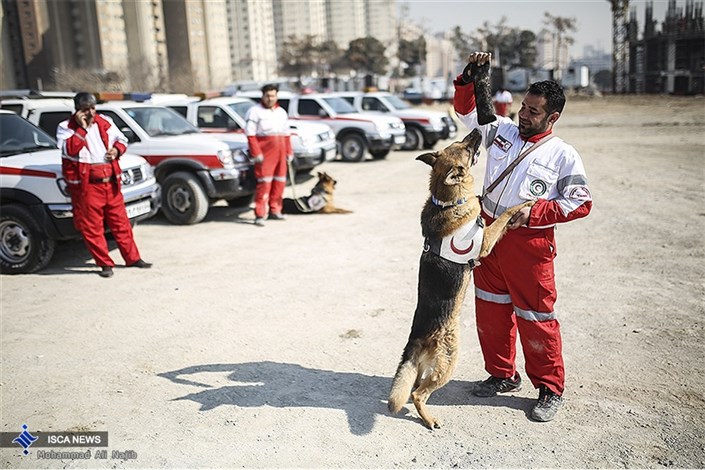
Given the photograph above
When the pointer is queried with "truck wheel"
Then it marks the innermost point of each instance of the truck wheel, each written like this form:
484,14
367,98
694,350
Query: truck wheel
414,138
184,202
24,247
379,154
352,148
241,202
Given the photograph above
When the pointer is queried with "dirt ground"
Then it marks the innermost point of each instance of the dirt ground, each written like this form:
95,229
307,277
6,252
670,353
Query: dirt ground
275,346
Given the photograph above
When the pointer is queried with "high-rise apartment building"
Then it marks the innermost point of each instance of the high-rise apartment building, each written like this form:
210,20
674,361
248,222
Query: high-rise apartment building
215,13
51,41
146,44
253,53
186,45
299,19
346,21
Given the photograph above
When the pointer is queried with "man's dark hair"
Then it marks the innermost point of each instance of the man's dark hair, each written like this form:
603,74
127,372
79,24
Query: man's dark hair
552,91
84,100
269,87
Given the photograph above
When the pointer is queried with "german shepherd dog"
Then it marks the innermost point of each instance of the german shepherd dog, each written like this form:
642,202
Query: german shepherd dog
320,201
431,352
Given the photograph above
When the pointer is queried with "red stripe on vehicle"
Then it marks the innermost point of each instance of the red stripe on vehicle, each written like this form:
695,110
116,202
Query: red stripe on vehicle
6,170
210,161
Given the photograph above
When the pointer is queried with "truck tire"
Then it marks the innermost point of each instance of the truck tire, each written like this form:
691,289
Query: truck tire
24,247
380,154
414,138
352,148
184,200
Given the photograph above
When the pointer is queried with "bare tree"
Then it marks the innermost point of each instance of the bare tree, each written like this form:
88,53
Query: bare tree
89,80
560,27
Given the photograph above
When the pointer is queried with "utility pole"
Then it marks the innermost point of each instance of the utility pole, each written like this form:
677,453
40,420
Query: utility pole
620,45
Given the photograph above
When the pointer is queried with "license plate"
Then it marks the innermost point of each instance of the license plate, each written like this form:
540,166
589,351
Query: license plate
399,139
331,154
137,209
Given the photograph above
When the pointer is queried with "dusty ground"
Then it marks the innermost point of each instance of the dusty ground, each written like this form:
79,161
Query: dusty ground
275,347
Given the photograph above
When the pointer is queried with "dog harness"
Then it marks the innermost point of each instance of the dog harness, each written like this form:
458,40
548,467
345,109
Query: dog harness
316,201
462,246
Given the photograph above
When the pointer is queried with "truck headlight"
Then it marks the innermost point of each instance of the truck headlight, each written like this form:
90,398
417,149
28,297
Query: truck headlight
147,171
225,157
437,123
240,156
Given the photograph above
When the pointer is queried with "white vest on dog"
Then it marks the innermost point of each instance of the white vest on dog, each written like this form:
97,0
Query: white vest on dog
462,246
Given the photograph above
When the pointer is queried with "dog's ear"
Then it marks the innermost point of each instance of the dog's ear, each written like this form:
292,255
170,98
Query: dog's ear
320,175
428,158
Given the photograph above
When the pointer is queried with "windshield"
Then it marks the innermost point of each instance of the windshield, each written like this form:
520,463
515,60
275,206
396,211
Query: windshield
17,135
242,108
339,105
397,102
158,121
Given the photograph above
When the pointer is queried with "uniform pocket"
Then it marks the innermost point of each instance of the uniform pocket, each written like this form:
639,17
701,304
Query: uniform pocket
538,182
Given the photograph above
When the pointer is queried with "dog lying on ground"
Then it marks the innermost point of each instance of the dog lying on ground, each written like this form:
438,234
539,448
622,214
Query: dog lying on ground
320,201
454,240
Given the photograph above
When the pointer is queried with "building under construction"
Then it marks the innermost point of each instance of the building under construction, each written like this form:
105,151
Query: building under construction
666,60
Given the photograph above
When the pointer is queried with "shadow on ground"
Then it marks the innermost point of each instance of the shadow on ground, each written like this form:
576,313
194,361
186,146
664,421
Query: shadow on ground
281,385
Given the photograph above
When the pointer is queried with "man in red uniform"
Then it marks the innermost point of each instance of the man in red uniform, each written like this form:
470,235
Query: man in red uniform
91,146
268,137
515,288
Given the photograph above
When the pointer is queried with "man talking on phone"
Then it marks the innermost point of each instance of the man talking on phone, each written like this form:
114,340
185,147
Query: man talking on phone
91,146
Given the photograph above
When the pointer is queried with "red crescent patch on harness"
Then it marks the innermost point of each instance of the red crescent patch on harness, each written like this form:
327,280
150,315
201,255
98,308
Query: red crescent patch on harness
458,251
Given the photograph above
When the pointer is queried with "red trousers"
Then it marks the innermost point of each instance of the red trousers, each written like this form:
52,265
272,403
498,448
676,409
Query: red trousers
515,291
271,181
101,204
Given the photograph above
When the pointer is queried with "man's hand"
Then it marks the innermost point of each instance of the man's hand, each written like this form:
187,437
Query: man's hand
479,58
520,218
84,118
289,158
111,154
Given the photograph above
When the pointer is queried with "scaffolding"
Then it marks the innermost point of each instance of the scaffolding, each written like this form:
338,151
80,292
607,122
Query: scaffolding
620,45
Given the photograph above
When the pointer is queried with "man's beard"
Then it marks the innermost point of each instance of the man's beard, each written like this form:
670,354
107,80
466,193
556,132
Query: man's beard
532,131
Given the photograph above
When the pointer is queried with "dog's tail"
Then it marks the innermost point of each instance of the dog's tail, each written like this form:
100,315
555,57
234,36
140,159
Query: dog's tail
401,385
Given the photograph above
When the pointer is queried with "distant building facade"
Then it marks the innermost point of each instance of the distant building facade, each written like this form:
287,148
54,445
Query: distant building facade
671,60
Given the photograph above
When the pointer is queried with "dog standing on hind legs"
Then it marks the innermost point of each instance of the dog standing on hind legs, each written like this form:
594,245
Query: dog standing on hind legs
454,240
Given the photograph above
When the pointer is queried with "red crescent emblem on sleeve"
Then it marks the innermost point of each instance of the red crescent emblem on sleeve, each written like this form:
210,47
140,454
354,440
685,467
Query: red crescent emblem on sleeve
458,251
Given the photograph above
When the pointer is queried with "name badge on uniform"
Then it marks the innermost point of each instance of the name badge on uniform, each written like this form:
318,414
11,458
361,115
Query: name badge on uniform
502,143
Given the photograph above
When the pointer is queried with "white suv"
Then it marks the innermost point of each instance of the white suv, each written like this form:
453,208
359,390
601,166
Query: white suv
224,118
356,133
35,209
423,127
195,170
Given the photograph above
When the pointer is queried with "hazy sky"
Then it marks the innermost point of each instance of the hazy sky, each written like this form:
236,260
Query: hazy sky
594,17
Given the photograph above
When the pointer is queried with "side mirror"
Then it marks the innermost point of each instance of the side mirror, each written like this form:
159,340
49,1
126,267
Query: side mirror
322,113
129,134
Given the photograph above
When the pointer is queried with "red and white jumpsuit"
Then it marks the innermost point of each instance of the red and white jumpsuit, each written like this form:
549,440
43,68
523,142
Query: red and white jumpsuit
269,140
94,186
515,285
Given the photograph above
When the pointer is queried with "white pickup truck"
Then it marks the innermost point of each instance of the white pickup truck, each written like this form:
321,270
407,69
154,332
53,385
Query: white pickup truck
35,210
224,118
195,170
423,127
356,133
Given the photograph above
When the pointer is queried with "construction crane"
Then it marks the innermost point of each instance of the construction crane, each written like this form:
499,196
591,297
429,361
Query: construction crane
620,45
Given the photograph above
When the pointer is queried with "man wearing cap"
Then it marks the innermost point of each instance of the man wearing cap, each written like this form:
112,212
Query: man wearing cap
91,145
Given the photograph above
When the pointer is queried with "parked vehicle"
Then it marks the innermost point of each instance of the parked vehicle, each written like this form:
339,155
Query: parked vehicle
195,170
224,118
356,133
423,127
35,207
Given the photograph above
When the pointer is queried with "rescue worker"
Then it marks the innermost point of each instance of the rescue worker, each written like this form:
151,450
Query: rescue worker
91,146
502,101
515,286
267,130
